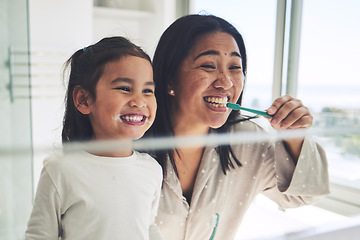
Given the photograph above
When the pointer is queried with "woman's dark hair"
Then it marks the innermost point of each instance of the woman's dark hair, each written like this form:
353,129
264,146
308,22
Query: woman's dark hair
86,67
173,47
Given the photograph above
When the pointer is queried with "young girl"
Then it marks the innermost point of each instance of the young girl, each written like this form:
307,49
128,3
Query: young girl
102,194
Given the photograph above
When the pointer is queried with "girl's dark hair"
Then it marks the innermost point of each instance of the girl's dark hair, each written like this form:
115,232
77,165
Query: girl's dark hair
173,47
86,67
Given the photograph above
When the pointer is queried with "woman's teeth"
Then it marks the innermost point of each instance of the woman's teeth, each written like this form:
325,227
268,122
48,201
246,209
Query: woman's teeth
216,102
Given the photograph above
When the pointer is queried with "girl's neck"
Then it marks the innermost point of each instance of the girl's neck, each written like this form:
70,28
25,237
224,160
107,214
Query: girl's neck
114,154
113,149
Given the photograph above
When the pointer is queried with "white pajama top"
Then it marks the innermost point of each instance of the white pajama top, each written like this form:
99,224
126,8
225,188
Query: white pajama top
267,168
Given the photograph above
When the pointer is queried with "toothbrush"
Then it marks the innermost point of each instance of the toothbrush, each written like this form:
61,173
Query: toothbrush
214,223
235,106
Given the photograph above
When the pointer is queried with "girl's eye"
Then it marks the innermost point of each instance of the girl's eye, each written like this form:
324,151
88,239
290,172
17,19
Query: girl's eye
123,88
148,91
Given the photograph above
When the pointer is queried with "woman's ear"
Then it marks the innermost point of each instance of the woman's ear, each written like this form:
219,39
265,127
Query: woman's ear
82,100
171,91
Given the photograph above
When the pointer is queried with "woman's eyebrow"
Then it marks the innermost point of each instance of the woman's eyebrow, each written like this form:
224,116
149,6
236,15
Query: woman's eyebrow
236,54
210,52
213,52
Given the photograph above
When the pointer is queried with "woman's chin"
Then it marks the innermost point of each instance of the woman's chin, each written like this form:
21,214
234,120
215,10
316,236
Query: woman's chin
217,123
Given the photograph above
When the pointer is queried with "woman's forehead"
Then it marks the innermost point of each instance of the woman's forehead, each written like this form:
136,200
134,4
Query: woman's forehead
215,42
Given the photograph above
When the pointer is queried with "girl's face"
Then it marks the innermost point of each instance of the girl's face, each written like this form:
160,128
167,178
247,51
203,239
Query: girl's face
209,77
125,104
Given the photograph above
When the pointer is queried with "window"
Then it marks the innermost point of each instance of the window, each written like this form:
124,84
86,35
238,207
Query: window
326,59
329,83
327,80
256,21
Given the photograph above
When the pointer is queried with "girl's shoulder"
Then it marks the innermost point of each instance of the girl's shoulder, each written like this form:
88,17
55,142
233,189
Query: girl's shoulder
149,163
62,160
54,158
147,159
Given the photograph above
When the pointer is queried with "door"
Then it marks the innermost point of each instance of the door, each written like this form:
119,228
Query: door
15,120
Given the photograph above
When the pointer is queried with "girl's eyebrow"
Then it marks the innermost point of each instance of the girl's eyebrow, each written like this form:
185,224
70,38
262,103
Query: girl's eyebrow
129,80
213,52
126,80
150,83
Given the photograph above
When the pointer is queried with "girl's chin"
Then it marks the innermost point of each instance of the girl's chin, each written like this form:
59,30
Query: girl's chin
136,136
129,136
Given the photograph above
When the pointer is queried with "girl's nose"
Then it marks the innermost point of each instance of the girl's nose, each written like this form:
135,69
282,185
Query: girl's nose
223,81
137,101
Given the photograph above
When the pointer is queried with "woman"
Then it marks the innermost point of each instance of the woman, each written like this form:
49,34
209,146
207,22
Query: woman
199,65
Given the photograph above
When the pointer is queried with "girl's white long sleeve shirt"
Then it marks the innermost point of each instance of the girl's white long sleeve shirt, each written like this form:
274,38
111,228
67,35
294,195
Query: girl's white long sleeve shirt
83,196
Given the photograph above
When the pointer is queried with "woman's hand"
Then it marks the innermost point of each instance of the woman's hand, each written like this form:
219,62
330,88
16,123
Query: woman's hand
289,113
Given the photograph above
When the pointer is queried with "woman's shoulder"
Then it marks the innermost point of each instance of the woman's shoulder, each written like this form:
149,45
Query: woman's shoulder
255,131
251,125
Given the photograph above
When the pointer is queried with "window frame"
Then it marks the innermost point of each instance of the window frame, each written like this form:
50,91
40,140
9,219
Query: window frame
343,200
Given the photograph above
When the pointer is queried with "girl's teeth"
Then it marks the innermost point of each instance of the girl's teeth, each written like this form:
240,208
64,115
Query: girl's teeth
133,118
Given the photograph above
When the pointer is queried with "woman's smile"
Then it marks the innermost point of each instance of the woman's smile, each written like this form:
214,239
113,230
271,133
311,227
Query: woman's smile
217,102
210,77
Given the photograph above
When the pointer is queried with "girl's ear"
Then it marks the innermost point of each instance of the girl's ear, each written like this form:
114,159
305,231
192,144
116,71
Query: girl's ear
82,100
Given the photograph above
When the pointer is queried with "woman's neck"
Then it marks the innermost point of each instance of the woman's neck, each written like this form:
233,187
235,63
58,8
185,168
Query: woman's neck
187,161
186,129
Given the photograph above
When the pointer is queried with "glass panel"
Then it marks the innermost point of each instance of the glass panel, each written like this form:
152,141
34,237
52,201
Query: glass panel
256,21
15,123
329,82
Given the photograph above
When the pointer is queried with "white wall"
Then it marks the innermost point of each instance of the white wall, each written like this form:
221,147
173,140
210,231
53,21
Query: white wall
57,29
60,25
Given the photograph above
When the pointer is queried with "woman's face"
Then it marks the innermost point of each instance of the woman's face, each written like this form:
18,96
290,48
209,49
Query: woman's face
209,77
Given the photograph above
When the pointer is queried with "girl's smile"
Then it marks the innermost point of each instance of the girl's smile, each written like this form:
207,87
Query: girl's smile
133,118
124,104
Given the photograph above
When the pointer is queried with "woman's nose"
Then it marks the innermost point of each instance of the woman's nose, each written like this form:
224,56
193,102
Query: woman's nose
223,81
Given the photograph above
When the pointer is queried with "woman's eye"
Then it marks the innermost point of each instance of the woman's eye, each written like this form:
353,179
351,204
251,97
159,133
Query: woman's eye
208,66
235,67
